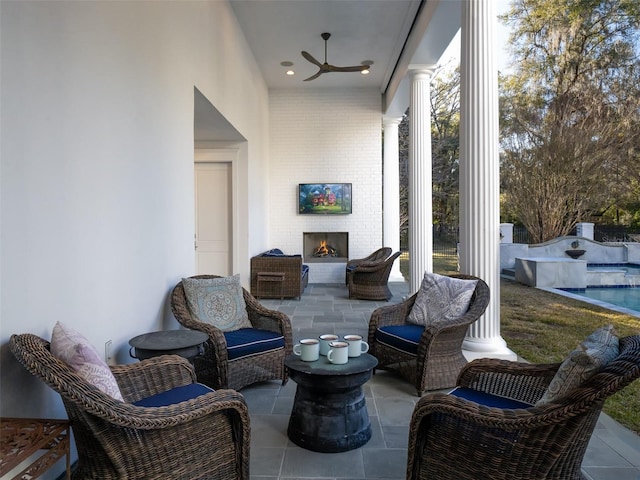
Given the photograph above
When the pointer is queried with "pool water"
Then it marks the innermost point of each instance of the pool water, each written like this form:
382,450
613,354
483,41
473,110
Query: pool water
623,297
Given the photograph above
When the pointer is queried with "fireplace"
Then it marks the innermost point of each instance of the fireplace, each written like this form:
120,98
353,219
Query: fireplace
325,247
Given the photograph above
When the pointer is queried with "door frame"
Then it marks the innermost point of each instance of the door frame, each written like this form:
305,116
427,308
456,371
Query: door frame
225,155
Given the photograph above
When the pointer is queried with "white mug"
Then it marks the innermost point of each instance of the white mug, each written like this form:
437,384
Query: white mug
356,345
339,353
308,349
325,340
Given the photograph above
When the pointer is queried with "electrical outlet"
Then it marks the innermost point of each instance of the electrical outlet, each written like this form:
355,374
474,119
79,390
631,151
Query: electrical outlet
107,352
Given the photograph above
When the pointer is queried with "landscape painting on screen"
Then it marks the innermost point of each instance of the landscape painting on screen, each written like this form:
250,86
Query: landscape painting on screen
324,198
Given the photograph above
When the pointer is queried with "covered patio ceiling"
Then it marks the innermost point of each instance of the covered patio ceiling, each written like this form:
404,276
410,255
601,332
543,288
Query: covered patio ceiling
393,34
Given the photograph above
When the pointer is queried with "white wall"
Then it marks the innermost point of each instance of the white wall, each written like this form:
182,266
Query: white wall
97,166
331,136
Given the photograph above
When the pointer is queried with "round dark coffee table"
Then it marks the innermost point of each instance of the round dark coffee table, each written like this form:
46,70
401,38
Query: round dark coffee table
329,411
186,343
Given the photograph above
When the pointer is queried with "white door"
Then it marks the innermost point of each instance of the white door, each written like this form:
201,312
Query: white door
213,218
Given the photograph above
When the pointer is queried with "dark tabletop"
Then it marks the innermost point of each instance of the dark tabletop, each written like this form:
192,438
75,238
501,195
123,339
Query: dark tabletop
168,339
322,366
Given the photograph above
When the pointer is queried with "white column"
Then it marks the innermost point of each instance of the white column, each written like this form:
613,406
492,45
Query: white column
391,193
585,229
506,233
420,187
479,172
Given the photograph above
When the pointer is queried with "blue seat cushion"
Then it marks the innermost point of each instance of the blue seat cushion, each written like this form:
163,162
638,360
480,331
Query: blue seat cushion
305,270
249,341
488,399
173,396
400,337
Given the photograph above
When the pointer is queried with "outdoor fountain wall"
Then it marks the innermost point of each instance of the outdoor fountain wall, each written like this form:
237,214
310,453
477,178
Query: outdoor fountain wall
562,262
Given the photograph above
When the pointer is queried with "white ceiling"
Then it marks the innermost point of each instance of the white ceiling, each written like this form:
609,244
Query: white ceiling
393,34
278,30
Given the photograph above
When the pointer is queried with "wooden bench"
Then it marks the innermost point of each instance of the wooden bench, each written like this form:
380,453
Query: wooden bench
20,438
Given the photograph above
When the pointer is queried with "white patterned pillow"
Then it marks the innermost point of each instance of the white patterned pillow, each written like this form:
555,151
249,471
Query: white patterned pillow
441,299
598,349
76,351
217,301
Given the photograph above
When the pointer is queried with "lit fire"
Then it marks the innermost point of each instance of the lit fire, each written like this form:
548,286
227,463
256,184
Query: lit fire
325,250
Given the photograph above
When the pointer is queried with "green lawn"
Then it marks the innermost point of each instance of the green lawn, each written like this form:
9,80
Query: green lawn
544,327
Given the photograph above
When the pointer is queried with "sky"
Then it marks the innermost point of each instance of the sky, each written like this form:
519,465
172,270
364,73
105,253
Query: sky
452,53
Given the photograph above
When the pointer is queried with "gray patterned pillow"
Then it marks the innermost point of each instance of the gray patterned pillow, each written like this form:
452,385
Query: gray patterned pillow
76,351
217,301
441,299
598,349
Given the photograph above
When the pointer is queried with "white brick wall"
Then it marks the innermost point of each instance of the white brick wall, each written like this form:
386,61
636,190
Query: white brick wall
333,136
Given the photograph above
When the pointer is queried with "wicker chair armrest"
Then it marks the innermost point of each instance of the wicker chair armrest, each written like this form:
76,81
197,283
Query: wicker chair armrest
216,424
505,419
392,314
367,267
354,262
521,381
151,376
446,430
389,315
195,409
271,320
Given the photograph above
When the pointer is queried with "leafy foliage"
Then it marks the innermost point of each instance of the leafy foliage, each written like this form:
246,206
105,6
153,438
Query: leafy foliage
570,123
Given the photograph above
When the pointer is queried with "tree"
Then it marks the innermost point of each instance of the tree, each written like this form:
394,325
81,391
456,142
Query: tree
570,112
445,148
445,145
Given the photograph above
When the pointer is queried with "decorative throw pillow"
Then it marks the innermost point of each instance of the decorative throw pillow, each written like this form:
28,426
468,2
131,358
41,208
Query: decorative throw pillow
76,351
441,299
598,349
217,301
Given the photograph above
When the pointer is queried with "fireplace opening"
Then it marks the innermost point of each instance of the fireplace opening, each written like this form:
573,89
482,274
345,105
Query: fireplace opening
326,247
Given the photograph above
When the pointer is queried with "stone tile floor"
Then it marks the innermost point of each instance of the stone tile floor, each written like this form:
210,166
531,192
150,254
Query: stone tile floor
614,452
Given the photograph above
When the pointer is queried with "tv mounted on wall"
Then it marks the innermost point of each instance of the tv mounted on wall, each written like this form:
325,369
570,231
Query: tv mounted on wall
324,198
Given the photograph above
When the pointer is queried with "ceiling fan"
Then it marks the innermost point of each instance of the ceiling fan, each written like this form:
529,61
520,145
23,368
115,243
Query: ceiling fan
325,67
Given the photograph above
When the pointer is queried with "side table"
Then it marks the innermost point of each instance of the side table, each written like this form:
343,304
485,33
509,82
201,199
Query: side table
186,343
329,411
22,437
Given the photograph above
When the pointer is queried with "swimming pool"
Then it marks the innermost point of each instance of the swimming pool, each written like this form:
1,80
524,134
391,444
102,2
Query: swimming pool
623,297
623,300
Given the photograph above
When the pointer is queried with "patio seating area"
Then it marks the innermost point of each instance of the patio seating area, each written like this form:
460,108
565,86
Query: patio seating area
613,452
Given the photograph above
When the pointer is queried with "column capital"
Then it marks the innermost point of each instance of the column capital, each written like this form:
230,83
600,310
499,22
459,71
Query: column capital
421,70
391,120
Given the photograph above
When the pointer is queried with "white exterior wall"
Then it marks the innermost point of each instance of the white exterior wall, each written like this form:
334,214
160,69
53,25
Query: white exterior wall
332,136
97,158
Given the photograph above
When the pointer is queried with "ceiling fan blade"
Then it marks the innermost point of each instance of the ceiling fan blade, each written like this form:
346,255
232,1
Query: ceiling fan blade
308,56
355,68
313,77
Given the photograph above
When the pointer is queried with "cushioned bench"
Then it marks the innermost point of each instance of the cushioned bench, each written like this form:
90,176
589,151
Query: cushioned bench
296,275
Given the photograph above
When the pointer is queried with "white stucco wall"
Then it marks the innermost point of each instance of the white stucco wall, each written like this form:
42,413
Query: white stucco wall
97,166
331,136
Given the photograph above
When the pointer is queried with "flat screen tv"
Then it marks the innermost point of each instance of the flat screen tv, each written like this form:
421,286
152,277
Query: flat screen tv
324,198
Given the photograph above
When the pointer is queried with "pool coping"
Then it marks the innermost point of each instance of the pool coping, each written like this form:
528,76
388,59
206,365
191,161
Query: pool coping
599,303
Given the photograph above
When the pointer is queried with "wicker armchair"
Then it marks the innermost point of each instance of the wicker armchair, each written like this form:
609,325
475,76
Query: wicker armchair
205,437
214,368
380,254
368,281
439,357
452,438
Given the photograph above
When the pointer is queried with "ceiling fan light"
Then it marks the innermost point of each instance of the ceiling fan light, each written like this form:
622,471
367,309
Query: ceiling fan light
365,72
290,72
